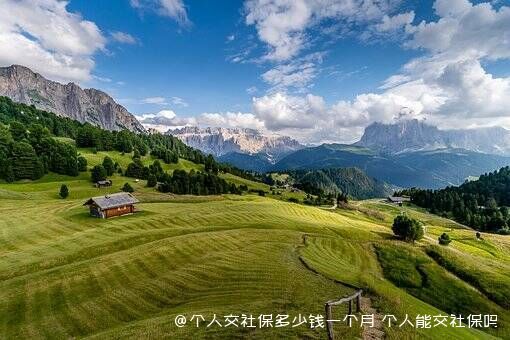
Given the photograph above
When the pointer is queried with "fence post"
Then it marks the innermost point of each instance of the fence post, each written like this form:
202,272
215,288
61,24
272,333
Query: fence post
350,307
329,322
358,303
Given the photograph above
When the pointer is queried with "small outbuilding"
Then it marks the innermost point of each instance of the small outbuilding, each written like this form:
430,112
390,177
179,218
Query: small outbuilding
107,206
398,200
103,184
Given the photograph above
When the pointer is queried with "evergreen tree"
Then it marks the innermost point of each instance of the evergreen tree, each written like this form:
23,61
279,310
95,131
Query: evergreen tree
108,165
98,173
82,163
152,181
24,162
64,191
127,188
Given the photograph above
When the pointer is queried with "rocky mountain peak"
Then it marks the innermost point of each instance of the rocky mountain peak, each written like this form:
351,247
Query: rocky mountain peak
23,85
220,141
415,135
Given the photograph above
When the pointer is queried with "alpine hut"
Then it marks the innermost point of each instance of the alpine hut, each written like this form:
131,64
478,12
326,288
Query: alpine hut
112,205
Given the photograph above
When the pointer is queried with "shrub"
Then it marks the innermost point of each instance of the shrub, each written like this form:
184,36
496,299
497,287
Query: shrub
152,181
293,200
64,191
98,173
407,228
127,188
444,239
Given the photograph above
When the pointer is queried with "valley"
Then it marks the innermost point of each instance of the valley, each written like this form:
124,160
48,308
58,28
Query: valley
130,276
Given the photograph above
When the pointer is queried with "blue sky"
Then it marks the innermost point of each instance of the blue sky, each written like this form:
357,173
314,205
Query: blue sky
318,70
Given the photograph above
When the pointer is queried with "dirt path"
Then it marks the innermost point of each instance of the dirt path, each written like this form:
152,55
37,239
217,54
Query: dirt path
376,332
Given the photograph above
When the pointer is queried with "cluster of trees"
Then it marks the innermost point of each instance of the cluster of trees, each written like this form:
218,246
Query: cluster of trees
30,151
481,204
196,183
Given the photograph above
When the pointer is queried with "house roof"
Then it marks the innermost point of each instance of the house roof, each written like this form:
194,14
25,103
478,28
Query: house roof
113,200
396,199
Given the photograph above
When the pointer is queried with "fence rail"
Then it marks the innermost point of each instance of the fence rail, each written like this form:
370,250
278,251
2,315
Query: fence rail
329,309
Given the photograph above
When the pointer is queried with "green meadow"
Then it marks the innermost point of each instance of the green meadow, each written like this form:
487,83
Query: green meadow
66,275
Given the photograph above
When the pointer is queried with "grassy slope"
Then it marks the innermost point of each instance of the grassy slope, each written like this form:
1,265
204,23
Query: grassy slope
64,274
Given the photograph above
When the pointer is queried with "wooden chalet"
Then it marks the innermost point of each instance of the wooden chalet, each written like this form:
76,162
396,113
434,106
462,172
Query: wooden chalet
112,205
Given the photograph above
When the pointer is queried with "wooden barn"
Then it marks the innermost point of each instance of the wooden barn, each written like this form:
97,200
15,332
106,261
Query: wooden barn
112,205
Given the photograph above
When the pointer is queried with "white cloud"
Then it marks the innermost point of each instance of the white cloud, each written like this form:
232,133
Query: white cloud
167,119
154,100
43,35
124,38
283,24
179,102
252,90
174,9
448,85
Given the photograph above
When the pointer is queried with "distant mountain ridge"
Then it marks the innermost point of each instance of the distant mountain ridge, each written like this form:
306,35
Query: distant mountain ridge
414,135
84,105
223,141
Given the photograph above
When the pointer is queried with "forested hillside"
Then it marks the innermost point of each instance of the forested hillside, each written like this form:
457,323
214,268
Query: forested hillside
350,181
32,144
481,204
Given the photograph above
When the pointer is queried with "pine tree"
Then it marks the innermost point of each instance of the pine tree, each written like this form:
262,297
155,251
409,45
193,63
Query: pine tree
64,191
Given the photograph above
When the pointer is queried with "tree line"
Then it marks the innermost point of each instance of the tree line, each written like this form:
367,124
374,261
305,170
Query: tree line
481,204
28,148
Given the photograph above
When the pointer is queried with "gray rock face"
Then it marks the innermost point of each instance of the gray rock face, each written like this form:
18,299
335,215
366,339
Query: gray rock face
85,105
414,135
222,141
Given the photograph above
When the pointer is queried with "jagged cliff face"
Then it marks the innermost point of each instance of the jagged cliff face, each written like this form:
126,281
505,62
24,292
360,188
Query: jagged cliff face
413,135
221,141
85,105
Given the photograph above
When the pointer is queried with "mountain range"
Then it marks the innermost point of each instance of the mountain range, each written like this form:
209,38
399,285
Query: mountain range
84,105
220,142
414,135
407,153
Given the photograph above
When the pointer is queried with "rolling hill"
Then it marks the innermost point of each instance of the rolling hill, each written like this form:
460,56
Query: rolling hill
64,274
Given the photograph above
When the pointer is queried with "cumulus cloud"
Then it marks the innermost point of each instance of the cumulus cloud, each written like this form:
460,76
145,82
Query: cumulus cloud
167,119
45,36
448,85
289,27
174,9
283,24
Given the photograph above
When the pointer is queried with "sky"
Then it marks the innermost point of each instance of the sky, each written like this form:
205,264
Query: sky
316,70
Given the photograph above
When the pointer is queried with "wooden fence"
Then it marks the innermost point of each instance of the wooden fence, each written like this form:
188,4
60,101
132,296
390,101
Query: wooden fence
329,310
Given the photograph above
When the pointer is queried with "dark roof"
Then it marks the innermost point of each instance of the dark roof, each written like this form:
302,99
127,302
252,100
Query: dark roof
113,200
398,199
108,181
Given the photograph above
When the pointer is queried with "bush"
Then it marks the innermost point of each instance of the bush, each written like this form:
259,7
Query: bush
152,181
293,200
444,239
98,173
64,191
409,229
127,188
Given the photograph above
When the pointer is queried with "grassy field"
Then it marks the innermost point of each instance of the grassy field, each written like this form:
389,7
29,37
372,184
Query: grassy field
66,275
